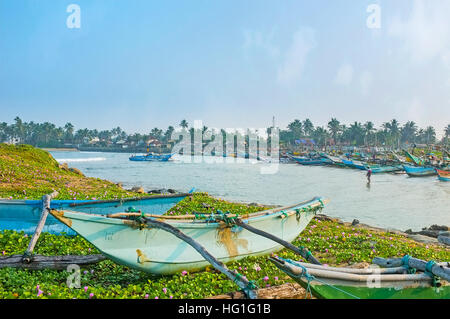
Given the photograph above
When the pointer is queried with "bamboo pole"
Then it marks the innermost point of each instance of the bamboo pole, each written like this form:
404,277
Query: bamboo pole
240,281
437,269
244,216
28,255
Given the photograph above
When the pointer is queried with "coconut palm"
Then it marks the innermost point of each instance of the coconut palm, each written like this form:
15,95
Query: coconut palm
335,128
308,127
184,124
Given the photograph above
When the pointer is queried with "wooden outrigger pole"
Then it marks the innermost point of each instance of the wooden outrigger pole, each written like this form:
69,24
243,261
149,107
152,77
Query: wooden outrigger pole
247,286
30,261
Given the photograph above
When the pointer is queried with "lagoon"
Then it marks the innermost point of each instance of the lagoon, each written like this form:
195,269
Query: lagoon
391,201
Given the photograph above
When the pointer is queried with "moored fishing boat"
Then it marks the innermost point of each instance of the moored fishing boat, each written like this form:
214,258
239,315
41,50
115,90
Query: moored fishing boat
355,164
369,283
414,171
23,215
443,175
130,242
312,161
151,157
386,169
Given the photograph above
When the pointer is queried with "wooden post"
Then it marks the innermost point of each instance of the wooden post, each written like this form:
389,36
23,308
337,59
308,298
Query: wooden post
28,255
49,262
302,252
438,269
240,281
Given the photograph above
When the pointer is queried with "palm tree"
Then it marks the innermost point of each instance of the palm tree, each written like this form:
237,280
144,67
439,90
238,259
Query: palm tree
369,129
335,128
68,132
409,132
184,124
308,127
430,135
295,129
320,136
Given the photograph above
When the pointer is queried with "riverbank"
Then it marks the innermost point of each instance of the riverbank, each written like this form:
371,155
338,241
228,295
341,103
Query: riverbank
30,173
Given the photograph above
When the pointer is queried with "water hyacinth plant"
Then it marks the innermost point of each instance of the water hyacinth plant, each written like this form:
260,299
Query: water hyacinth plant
334,244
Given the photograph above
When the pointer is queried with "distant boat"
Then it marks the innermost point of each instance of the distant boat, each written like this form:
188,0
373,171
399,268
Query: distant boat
151,157
156,251
386,169
414,171
443,175
355,164
24,215
312,161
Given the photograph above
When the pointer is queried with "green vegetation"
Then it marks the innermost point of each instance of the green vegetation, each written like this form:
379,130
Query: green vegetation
331,242
30,173
389,134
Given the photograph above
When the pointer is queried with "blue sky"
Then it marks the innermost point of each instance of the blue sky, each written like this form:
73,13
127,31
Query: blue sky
140,64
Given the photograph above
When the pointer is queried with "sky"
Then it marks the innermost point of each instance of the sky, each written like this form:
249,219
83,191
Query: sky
140,64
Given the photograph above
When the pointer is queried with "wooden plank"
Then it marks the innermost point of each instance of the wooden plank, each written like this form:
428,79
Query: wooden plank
28,255
284,291
49,262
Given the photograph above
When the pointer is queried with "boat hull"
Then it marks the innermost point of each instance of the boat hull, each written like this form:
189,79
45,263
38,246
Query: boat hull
419,171
24,215
159,252
308,161
151,158
443,175
370,283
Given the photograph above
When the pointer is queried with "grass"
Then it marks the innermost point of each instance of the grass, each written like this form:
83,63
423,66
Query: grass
29,173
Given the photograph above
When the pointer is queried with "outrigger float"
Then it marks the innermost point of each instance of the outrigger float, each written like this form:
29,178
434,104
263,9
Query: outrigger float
23,215
398,281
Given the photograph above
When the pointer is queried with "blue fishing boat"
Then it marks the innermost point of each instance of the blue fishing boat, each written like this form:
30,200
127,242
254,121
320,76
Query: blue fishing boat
24,215
355,164
151,157
385,169
414,171
132,243
312,161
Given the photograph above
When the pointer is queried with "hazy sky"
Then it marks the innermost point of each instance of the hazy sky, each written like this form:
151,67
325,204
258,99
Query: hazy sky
231,63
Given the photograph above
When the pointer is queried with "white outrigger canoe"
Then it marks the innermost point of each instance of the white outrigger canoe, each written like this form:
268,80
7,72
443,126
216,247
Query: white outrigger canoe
146,248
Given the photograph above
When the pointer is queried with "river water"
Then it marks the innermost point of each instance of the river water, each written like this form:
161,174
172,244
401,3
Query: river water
391,201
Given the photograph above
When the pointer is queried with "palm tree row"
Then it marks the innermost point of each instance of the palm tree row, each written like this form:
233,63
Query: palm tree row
390,134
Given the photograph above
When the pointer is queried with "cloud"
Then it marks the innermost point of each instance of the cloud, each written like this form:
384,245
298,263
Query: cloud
303,41
257,39
344,75
425,32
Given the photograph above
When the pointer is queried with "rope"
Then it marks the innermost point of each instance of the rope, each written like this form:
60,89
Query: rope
311,278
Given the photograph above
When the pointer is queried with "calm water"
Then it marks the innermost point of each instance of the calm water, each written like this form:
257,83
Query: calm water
391,201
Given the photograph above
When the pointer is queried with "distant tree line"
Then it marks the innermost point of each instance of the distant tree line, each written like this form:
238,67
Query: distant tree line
390,134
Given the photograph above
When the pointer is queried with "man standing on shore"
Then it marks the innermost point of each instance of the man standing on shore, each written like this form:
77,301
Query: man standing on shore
369,173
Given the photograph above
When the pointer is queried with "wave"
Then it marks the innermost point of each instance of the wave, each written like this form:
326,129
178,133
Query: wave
91,159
